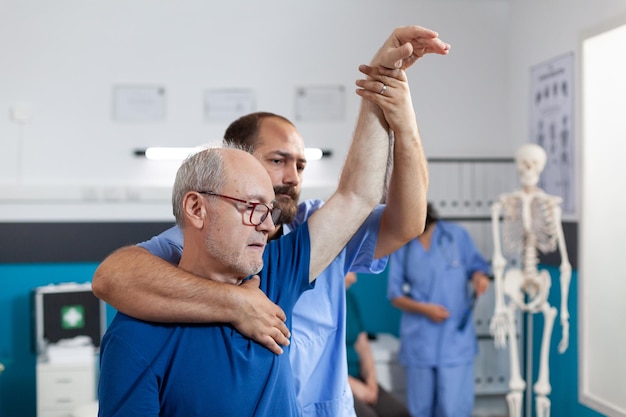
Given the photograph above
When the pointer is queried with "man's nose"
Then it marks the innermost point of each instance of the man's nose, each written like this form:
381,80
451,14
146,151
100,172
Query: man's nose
266,225
291,175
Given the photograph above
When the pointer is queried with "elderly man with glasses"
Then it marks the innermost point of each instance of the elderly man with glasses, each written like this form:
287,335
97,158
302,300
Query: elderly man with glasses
222,201
143,286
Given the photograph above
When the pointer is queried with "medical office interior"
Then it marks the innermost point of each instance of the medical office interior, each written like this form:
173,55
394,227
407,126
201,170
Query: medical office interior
87,87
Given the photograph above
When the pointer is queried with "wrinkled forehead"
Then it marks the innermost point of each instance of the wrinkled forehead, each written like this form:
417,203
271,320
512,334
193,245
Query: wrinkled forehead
277,135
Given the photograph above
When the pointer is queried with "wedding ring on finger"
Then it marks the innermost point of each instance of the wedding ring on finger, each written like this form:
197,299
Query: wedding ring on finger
382,90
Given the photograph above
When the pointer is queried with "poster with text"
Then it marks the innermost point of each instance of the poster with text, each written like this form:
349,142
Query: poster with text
552,126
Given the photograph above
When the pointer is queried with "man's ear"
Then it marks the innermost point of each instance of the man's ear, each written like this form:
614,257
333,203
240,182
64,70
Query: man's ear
194,209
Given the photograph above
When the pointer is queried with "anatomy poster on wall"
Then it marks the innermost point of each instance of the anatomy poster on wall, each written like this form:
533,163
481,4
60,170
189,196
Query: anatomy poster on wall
552,126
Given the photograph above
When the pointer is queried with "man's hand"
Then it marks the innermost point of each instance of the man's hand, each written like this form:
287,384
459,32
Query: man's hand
481,282
260,319
406,45
436,312
394,101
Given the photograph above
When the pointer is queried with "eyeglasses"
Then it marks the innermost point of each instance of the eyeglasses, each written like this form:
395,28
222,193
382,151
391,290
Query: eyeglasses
258,211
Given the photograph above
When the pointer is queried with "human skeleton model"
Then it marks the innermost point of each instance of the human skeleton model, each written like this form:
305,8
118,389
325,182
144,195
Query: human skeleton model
531,223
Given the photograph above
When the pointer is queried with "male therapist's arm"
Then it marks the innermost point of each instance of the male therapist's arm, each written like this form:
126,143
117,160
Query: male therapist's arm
144,286
359,190
363,177
405,211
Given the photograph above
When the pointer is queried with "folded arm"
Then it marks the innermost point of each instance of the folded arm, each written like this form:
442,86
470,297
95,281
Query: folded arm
146,287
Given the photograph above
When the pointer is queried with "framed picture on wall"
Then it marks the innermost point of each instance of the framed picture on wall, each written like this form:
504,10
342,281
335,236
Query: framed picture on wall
552,126
322,103
226,105
139,103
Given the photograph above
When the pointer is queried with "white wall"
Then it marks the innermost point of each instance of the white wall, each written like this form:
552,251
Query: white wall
602,382
541,30
60,61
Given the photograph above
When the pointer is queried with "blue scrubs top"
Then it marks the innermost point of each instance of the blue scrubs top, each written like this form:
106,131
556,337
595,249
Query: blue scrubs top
354,329
441,275
318,341
174,370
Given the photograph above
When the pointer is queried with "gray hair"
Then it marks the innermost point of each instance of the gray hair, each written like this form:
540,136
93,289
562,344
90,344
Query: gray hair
202,171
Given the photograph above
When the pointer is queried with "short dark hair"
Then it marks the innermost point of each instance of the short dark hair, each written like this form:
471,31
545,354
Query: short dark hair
244,131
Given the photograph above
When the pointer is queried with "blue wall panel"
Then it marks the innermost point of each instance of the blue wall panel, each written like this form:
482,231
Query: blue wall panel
563,367
378,314
17,382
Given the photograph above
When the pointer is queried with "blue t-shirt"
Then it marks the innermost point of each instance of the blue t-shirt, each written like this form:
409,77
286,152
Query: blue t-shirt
153,369
440,275
318,333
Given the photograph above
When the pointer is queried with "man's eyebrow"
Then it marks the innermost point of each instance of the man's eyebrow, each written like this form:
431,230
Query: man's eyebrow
287,155
254,198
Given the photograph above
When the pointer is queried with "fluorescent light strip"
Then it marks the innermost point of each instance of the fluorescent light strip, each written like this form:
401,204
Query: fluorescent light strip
178,154
313,154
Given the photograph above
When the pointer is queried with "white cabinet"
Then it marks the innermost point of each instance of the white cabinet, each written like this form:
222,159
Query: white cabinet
63,387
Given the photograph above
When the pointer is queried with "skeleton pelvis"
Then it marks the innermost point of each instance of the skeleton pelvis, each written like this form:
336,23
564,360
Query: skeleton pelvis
527,291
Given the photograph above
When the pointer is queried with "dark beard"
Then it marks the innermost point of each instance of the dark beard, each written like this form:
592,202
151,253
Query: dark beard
288,206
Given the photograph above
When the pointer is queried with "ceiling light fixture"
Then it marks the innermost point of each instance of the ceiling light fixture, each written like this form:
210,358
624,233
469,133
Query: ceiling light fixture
180,153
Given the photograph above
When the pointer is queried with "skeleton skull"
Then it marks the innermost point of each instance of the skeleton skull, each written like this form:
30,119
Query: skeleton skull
530,160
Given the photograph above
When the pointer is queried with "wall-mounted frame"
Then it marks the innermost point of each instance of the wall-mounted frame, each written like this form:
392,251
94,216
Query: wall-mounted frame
139,103
323,103
226,105
552,126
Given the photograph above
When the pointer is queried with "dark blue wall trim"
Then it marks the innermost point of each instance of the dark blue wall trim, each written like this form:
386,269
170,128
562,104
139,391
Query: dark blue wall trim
570,230
70,242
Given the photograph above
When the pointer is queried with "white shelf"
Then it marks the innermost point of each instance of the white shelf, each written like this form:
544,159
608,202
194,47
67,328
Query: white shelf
61,388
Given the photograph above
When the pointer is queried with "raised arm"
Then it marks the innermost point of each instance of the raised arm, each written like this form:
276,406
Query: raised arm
144,286
405,212
387,104
360,189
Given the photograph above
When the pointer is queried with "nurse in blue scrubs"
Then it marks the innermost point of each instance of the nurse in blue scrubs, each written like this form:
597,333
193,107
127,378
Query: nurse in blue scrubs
435,279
